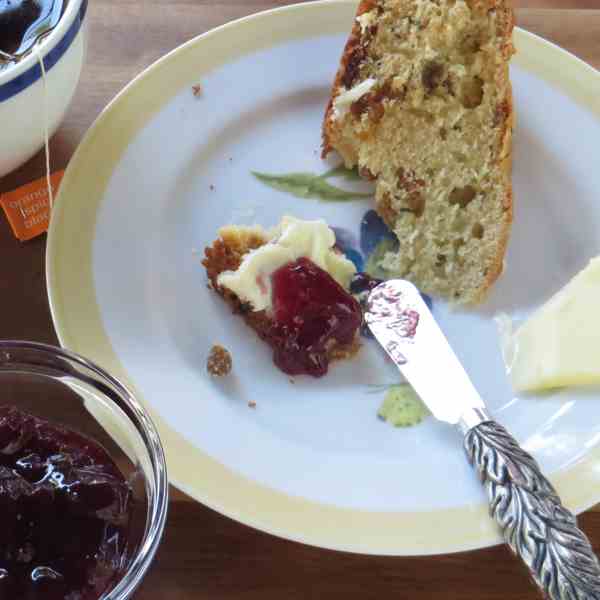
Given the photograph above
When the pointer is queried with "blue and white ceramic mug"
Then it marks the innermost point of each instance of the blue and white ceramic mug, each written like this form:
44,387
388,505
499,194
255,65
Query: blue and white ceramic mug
22,104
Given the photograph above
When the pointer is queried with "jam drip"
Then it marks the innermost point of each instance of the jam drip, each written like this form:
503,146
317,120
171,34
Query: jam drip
65,512
312,314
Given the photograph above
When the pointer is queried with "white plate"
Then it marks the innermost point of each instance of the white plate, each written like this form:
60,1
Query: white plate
161,170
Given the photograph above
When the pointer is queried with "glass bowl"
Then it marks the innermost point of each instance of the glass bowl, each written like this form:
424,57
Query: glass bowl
69,390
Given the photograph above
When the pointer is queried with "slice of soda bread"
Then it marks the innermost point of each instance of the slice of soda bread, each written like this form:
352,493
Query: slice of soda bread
422,104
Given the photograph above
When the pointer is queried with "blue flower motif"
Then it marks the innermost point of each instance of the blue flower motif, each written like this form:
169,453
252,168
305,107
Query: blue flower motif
356,257
375,239
427,300
344,238
372,231
347,242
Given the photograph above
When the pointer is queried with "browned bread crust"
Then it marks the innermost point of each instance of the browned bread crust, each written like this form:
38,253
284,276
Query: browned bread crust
226,254
353,54
366,126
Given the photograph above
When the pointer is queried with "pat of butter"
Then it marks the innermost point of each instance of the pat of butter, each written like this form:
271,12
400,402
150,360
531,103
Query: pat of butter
290,240
346,98
559,344
366,20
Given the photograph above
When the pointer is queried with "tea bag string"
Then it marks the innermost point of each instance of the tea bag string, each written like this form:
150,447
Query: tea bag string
40,58
34,47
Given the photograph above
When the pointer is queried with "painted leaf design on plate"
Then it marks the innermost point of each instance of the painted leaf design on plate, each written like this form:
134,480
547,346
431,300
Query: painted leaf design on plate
401,407
309,185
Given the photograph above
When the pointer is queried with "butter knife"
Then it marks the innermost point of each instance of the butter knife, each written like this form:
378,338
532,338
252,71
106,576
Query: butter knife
525,505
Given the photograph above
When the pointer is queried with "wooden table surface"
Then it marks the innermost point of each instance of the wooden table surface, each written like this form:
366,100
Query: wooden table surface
205,555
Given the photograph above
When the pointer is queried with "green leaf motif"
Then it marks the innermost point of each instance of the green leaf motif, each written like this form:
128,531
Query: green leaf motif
402,407
309,185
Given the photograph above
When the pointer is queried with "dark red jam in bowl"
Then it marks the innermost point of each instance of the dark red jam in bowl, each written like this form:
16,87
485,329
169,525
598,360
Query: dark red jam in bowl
65,510
312,313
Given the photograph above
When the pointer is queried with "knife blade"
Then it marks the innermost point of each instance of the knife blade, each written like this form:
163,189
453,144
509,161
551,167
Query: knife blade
535,524
403,324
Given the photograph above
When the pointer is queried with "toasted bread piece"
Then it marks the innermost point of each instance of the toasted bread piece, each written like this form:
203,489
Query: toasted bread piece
422,104
226,254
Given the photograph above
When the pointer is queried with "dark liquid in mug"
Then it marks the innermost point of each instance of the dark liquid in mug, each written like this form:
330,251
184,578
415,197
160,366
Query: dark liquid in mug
21,19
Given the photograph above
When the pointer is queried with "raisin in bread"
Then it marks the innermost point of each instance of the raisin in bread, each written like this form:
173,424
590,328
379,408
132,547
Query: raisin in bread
422,104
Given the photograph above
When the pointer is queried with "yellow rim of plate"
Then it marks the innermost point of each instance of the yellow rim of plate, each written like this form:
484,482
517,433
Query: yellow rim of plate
79,327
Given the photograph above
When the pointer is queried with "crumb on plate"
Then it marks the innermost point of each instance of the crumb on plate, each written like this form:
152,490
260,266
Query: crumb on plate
219,362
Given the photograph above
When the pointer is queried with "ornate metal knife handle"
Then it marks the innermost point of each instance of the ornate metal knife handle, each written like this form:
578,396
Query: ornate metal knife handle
536,525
